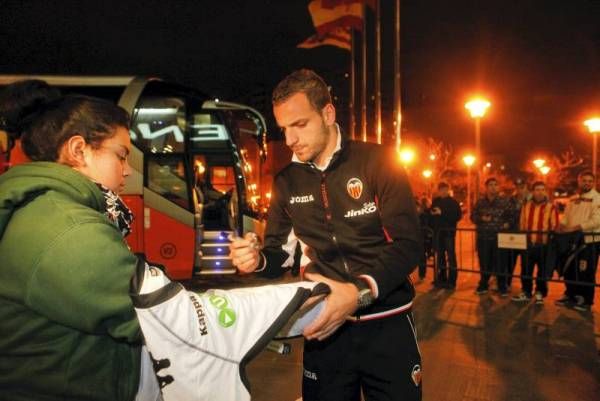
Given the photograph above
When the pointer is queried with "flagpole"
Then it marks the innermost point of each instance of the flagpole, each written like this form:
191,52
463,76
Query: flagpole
378,69
397,81
352,85
363,97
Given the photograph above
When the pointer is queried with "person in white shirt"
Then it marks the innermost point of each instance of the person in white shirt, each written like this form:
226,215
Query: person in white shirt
582,214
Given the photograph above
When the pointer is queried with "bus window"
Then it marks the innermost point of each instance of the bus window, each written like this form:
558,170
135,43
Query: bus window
207,131
166,176
159,124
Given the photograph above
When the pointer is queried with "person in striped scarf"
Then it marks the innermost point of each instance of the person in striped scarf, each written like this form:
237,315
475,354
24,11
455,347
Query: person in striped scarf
538,217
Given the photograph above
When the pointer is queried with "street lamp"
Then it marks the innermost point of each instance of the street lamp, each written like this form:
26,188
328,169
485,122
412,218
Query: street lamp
477,108
593,125
544,170
427,175
469,160
539,163
407,156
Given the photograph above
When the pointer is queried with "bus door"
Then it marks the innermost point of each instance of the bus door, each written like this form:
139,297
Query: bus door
159,129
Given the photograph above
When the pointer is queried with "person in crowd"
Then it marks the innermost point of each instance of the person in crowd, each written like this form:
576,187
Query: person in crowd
445,215
582,214
69,329
16,102
491,214
520,196
538,217
424,213
352,205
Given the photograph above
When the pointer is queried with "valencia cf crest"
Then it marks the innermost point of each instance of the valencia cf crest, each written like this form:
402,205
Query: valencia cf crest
416,375
354,188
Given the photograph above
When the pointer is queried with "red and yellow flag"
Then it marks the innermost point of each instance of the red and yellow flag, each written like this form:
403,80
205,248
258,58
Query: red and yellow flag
333,21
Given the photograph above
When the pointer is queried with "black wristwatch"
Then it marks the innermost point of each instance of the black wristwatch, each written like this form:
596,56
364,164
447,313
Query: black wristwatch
365,295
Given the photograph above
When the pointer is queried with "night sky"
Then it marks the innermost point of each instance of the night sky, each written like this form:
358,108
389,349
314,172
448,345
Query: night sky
537,60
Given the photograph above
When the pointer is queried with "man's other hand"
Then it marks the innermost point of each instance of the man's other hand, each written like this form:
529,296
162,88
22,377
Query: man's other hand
341,303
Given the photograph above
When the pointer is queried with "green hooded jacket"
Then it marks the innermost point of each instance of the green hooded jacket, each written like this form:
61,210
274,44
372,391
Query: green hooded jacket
68,328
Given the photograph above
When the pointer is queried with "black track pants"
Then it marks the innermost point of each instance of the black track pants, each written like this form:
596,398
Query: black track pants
380,356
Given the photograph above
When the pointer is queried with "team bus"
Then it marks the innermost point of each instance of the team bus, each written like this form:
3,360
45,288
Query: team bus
197,169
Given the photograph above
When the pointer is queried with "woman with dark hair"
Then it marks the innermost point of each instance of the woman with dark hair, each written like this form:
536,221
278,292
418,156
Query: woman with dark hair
69,329
18,100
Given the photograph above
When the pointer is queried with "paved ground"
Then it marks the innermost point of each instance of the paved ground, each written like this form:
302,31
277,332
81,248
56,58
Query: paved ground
474,349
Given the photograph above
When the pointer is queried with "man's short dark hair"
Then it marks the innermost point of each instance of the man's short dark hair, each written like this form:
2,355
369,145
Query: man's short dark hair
538,184
489,180
303,81
443,185
586,173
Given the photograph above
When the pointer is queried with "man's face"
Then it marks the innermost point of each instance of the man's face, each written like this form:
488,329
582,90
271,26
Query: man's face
522,190
586,183
539,193
443,192
306,129
492,188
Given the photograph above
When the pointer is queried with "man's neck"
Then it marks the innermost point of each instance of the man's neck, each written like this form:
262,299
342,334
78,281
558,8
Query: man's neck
332,145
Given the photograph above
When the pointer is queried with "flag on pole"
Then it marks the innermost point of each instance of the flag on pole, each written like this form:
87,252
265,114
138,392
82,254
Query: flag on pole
333,21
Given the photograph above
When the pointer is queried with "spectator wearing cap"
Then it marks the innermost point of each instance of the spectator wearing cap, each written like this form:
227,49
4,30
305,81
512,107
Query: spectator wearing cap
582,214
538,217
491,214
445,214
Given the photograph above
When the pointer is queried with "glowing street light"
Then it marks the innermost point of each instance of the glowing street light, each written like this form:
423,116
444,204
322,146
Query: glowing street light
432,157
593,125
469,160
544,170
427,173
477,108
407,156
539,163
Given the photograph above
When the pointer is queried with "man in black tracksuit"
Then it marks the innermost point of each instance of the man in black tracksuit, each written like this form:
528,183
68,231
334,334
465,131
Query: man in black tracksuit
352,208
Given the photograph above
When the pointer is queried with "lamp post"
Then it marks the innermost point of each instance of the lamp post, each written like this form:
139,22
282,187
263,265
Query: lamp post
593,125
469,160
406,156
540,165
477,108
427,175
544,170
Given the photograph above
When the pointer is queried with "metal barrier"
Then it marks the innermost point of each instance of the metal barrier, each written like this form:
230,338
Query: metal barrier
570,255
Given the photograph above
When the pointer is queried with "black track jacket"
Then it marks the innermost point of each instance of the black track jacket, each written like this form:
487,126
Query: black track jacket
358,217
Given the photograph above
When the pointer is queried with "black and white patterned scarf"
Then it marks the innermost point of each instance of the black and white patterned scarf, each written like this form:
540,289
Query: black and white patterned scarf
117,211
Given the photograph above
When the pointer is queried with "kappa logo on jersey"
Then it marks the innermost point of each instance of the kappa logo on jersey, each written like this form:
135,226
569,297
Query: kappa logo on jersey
368,208
158,365
354,187
301,199
202,326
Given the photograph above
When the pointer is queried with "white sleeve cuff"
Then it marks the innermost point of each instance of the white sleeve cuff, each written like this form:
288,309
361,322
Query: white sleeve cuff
264,262
372,284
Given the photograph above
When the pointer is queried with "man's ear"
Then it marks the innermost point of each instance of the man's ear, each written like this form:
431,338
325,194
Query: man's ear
328,113
73,152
